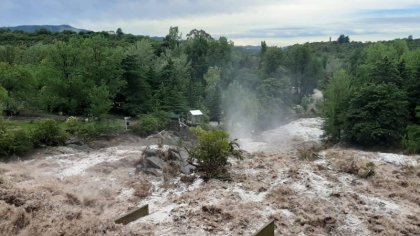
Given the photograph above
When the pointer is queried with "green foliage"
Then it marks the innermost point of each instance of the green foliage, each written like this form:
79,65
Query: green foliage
21,142
274,98
13,142
377,115
400,46
48,132
378,51
411,141
100,102
336,99
150,123
119,32
19,85
213,97
211,153
197,50
6,141
417,112
89,130
375,106
271,59
386,71
412,87
135,97
305,70
72,125
3,99
343,39
96,73
172,90
173,38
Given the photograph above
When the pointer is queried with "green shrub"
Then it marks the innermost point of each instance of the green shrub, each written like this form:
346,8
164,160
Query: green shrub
411,141
211,153
72,125
89,130
6,141
149,124
2,124
48,132
96,129
22,142
14,142
83,130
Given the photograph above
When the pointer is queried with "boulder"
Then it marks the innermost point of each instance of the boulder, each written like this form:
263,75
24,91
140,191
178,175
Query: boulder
152,171
187,169
155,162
161,158
151,152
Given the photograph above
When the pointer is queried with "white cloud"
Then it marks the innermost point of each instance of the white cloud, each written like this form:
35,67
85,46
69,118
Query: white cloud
249,21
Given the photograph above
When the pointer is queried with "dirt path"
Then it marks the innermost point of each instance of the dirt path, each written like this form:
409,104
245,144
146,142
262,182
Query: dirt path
73,192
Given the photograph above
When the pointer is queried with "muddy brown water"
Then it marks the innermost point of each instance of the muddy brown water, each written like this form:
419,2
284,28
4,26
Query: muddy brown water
66,191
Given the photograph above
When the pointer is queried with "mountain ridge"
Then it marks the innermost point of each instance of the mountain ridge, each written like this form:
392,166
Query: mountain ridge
51,28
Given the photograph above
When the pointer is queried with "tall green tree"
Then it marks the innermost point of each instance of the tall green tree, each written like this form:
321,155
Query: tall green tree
100,101
305,70
172,88
65,58
20,87
386,71
172,40
197,48
377,115
413,93
336,101
135,97
213,93
271,60
102,63
263,48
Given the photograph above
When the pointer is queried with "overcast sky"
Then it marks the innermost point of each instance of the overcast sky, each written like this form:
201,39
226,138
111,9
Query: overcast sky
246,22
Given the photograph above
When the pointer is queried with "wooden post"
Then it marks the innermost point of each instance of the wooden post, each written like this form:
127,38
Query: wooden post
266,230
133,215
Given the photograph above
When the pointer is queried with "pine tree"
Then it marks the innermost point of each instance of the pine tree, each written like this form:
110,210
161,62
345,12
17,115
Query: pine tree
386,71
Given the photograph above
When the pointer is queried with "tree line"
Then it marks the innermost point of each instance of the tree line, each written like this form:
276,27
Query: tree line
371,89
92,74
374,100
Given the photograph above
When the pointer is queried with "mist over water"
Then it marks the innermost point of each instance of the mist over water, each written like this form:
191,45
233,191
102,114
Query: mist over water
260,128
315,100
241,108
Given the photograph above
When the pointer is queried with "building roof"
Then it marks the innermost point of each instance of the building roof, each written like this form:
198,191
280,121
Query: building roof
196,112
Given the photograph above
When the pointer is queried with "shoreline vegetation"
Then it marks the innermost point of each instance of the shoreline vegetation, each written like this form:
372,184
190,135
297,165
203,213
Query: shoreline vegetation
368,93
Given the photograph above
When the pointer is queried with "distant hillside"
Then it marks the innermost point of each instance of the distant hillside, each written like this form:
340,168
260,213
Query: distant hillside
51,28
251,49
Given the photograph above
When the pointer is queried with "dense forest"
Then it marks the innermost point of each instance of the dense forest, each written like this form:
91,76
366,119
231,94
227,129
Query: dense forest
371,90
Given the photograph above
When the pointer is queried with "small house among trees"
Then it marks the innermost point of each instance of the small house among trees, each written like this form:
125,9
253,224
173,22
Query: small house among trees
195,117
